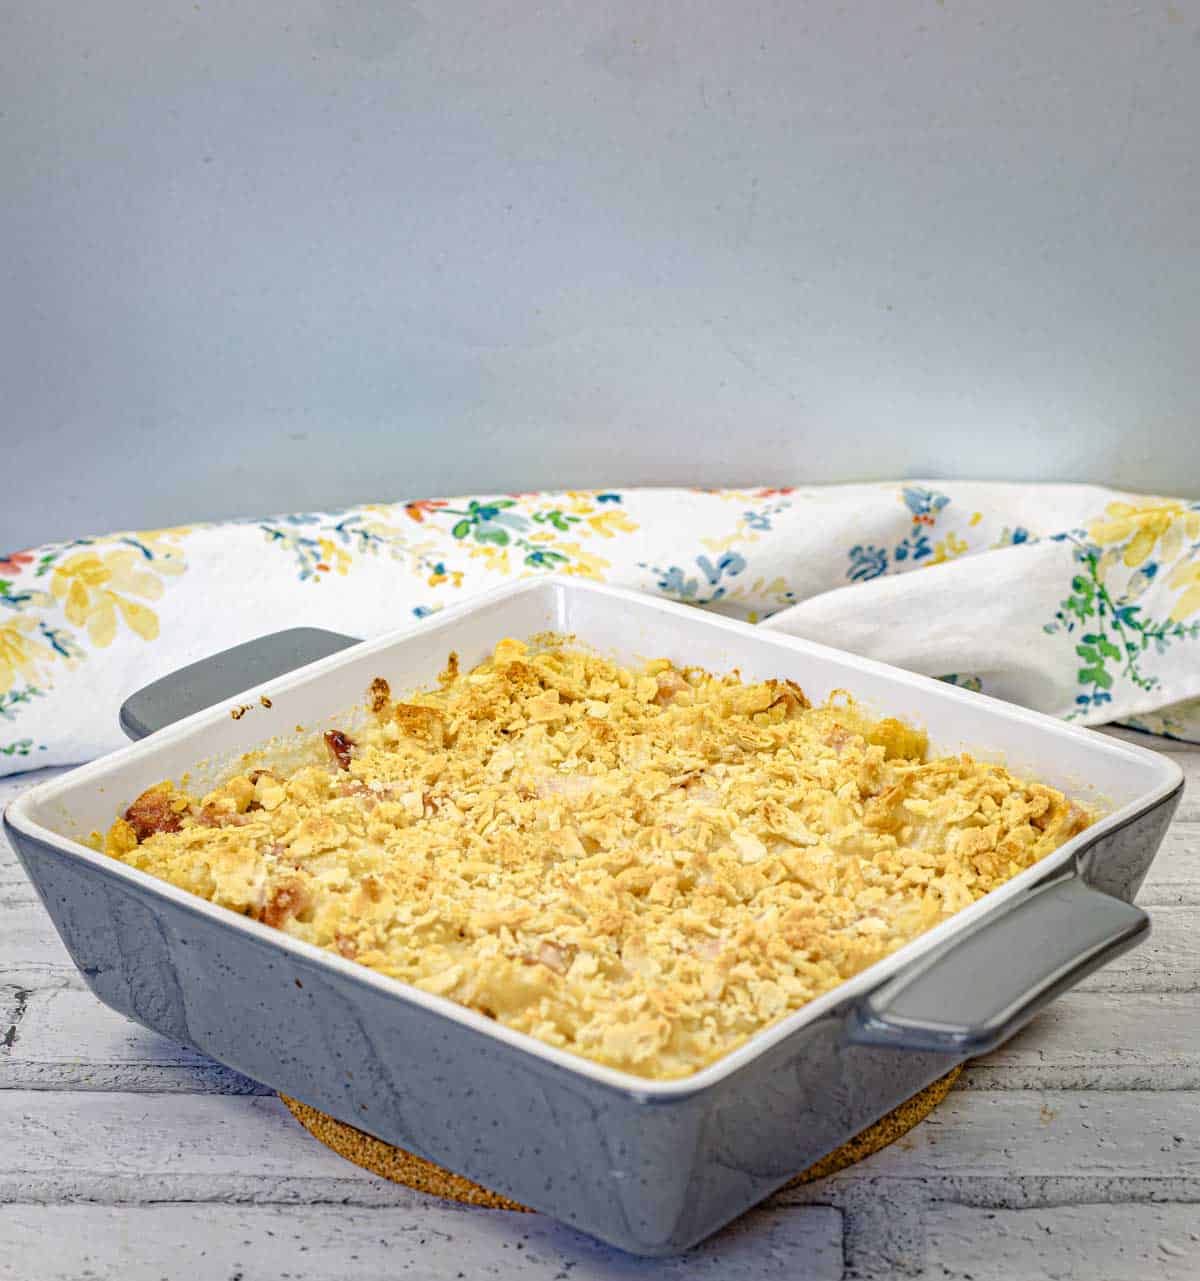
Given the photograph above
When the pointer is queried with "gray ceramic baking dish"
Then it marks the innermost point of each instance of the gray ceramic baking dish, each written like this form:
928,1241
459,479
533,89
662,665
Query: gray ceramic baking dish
652,1167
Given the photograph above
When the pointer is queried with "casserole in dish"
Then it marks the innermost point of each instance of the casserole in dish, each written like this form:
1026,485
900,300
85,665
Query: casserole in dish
652,1166
643,865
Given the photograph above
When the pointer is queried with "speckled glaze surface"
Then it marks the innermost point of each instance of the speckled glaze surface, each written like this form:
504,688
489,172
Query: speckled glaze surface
651,1167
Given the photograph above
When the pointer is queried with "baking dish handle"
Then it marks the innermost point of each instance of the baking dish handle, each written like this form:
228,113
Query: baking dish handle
224,675
974,992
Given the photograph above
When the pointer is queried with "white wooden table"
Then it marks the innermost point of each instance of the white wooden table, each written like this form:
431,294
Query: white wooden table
1072,1152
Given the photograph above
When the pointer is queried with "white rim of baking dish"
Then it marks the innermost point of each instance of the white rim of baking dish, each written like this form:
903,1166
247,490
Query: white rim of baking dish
643,1089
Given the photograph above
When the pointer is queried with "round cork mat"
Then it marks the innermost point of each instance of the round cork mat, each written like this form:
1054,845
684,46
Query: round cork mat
414,1171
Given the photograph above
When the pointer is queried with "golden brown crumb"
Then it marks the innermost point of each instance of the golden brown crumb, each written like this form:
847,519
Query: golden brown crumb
379,695
642,866
121,839
153,812
287,899
339,747
898,740
425,724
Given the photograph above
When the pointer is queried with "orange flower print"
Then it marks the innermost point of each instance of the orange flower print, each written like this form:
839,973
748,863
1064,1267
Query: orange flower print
419,508
15,562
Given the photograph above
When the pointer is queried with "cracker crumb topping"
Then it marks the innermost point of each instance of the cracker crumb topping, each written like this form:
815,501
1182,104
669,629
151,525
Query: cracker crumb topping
640,866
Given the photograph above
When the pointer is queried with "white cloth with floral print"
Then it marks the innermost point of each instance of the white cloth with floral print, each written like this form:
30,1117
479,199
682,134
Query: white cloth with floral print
1079,601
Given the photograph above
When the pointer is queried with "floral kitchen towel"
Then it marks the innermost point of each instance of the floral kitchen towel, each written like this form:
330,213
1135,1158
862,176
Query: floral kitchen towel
1079,601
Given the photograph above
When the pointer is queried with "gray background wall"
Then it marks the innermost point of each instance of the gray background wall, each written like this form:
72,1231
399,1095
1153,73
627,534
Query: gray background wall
284,255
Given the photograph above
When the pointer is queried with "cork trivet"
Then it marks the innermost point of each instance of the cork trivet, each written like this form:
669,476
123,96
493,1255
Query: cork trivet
395,1163
414,1171
887,1129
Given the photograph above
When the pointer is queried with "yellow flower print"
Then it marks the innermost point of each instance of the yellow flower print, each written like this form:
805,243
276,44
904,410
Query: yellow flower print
612,522
1186,576
161,544
1107,560
170,534
579,502
739,537
732,495
494,558
95,589
584,564
1147,525
332,557
22,655
947,548
383,531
